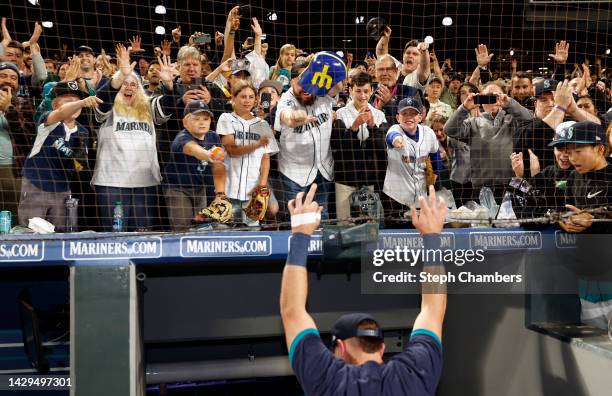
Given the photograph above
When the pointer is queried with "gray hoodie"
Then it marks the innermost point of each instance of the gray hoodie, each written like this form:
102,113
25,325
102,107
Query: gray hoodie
490,139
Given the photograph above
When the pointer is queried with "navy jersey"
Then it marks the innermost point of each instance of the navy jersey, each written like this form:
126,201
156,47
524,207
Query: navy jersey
184,170
415,371
53,155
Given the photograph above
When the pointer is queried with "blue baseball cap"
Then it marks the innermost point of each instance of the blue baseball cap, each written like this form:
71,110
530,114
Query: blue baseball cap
409,103
545,86
196,106
583,132
325,71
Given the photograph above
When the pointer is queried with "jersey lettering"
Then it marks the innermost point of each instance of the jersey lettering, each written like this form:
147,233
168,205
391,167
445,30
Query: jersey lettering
321,119
121,126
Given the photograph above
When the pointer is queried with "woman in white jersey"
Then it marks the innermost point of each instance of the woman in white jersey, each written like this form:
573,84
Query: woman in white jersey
249,141
126,169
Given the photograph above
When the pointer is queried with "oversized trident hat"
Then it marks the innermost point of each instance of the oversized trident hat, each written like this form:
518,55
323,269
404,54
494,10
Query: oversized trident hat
325,71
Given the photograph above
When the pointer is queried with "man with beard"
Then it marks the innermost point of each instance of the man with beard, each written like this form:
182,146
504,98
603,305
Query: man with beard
16,134
305,125
152,87
522,90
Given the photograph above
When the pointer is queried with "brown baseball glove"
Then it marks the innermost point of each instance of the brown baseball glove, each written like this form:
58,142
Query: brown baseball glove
430,176
220,209
258,204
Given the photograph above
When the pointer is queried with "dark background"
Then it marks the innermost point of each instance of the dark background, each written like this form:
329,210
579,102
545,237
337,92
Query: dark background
315,25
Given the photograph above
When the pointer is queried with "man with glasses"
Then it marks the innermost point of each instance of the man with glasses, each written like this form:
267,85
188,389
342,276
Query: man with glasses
389,92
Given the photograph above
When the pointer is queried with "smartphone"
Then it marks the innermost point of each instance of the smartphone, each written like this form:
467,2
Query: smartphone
244,11
485,99
266,99
195,83
203,40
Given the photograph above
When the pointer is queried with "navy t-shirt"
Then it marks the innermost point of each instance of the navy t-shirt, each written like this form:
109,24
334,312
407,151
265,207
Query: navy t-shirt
184,170
415,371
53,155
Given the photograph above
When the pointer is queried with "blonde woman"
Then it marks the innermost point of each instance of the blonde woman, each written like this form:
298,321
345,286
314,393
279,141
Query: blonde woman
281,72
127,169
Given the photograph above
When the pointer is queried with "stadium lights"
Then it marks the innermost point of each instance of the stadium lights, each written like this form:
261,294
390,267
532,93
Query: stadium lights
272,16
447,21
160,9
511,52
33,2
160,30
429,40
608,51
347,40
47,24
359,19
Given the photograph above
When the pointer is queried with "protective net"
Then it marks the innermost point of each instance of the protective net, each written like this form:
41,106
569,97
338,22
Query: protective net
464,96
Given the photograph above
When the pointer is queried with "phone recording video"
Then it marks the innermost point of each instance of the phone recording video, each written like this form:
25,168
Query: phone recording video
485,99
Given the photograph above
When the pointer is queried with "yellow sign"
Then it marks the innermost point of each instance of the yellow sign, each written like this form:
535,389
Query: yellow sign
323,78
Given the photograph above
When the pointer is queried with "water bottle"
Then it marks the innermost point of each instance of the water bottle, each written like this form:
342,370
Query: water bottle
72,214
118,217
506,212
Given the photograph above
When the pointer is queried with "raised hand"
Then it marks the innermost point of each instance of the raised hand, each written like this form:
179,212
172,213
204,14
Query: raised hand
6,36
123,60
305,212
430,219
233,19
36,35
135,44
256,28
482,55
74,68
166,47
563,94
561,52
176,34
167,71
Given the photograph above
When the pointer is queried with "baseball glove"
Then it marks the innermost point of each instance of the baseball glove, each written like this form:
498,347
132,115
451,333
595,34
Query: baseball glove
220,209
430,176
258,204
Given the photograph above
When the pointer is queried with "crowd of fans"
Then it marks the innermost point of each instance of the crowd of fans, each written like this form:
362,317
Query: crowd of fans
142,130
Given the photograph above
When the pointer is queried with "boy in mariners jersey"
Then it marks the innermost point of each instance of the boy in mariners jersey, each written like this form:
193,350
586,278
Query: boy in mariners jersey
410,147
57,153
191,171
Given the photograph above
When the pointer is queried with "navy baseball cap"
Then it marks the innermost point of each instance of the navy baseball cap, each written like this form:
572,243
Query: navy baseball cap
347,326
85,48
409,103
67,88
545,86
196,106
583,132
10,66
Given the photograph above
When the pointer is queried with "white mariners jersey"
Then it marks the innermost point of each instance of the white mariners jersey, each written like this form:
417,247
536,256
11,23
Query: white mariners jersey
127,149
243,171
305,150
405,177
349,113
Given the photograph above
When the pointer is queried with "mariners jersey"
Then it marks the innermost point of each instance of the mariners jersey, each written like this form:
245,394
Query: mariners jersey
127,152
305,150
405,178
243,172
